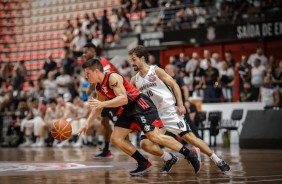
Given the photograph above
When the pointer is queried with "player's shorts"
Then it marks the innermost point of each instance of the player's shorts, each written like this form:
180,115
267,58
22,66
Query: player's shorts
111,113
173,122
143,112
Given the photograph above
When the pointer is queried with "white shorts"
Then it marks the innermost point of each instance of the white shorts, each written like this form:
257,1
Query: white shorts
173,122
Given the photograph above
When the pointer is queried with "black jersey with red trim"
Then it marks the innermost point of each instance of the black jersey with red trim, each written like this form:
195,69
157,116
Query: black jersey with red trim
131,91
108,67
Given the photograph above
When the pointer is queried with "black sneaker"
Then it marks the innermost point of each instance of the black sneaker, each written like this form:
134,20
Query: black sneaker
224,167
193,159
168,164
141,169
104,153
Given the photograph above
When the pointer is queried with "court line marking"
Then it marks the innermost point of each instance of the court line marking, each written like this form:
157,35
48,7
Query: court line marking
227,178
257,181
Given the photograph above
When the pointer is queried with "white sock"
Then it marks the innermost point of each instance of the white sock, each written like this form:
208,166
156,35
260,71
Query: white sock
215,158
89,138
100,138
166,156
41,140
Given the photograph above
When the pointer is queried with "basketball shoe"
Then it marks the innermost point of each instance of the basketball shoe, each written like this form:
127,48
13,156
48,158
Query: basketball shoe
192,157
223,166
104,153
168,164
141,169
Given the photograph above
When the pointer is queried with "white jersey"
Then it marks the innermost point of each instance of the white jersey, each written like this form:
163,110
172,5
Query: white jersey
164,99
161,94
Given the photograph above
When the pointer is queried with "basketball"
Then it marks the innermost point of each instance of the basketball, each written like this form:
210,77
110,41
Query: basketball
61,130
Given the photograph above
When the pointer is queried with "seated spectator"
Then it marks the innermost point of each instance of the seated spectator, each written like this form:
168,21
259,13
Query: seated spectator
269,95
276,75
246,94
32,123
77,122
49,65
50,87
77,44
63,81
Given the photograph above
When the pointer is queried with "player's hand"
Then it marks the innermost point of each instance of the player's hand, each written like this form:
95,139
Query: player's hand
94,103
83,130
181,110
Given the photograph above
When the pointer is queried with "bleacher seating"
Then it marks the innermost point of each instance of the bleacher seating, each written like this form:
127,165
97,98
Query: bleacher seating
31,28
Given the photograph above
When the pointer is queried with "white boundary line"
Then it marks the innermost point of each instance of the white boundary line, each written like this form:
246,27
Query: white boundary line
227,178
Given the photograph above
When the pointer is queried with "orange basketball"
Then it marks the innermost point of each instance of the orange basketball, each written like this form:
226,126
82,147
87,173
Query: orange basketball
61,130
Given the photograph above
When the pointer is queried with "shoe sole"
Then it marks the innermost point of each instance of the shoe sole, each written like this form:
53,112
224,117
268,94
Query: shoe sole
101,157
142,172
198,152
165,172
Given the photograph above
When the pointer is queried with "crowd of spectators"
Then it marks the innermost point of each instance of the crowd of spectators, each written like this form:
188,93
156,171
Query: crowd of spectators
182,14
98,30
260,78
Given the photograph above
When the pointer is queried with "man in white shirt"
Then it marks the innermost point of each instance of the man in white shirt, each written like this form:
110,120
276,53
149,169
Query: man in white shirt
258,55
63,82
204,62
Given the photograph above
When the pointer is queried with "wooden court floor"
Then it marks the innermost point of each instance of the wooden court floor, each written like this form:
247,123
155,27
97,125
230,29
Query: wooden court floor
77,165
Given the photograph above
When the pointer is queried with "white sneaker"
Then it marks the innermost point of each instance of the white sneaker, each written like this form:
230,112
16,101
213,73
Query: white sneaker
40,144
25,144
77,145
63,144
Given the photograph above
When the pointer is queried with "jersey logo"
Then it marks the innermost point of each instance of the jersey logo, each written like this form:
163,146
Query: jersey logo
152,78
104,89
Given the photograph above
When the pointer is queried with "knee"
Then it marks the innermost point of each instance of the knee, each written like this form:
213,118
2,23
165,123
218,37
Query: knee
143,145
190,139
155,138
115,140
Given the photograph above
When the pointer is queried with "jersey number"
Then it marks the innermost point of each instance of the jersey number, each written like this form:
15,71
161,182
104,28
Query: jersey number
180,124
149,93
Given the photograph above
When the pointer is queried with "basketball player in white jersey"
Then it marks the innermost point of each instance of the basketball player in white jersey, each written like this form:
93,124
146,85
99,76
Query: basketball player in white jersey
166,95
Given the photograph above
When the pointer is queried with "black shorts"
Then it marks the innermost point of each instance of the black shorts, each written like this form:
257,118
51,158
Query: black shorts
142,112
111,113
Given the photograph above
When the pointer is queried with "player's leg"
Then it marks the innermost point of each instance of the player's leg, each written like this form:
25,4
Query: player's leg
121,130
107,114
147,117
171,143
154,149
192,139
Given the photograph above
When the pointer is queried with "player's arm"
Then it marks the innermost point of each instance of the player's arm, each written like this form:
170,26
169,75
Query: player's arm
132,80
167,79
116,83
93,113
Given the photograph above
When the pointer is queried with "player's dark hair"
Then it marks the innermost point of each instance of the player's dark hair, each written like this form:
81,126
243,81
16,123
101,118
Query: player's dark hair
94,63
140,51
90,46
